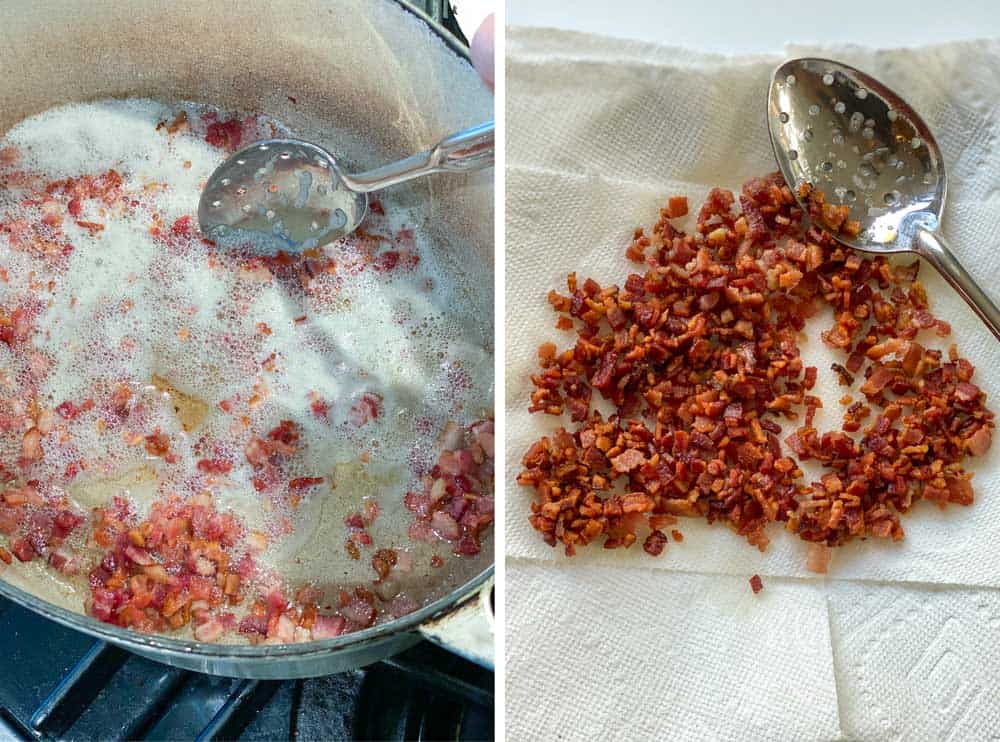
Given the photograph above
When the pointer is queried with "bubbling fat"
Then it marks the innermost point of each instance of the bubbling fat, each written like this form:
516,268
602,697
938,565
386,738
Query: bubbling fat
369,345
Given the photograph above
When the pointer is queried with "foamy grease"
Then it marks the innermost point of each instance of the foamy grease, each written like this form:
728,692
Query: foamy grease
131,305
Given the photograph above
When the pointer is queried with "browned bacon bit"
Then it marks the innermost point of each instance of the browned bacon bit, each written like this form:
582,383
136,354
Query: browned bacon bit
835,218
846,377
756,584
655,542
700,358
383,562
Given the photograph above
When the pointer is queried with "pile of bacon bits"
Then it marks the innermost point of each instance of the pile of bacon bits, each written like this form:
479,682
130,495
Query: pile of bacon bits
699,355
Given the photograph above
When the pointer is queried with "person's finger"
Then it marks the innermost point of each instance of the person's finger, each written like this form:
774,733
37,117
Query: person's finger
482,51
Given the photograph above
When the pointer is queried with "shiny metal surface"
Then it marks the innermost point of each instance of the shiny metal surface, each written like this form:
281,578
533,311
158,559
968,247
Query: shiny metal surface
291,195
863,147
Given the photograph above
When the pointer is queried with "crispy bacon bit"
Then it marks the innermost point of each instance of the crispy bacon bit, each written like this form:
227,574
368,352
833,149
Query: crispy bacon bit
699,358
756,584
655,543
846,378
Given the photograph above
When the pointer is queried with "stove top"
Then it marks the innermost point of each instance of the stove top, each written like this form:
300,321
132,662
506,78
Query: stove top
58,684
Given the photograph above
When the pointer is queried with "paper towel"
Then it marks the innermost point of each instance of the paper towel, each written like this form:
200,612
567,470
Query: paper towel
916,664
664,662
599,133
594,149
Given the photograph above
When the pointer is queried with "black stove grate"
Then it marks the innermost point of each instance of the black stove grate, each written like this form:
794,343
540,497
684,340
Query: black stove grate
58,684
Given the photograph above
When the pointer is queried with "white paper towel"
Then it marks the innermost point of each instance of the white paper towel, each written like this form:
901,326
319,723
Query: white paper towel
916,664
638,654
600,132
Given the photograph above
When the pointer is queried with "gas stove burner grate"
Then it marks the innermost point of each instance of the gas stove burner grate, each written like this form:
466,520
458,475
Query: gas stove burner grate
58,684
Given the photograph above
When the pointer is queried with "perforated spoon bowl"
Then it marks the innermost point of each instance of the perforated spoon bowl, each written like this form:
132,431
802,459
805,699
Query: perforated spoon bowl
862,146
291,195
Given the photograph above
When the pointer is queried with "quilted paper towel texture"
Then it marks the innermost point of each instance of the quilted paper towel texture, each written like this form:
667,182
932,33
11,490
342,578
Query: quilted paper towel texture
665,663
916,665
600,133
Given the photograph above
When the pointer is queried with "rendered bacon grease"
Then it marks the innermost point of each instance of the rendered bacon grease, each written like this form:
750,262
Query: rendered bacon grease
699,356
279,449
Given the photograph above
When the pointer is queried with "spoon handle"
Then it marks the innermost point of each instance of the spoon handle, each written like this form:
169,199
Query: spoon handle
932,247
471,149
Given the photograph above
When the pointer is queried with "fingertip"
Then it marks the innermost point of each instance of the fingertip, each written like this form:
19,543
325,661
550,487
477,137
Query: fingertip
482,52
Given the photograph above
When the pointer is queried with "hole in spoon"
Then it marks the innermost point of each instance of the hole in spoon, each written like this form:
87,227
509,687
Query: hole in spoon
839,106
891,198
828,79
793,154
783,117
861,93
790,79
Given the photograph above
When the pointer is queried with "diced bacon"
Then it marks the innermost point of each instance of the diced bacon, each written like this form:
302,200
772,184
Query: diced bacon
209,631
368,407
257,452
420,530
215,466
31,446
328,627
359,612
139,556
225,134
402,605
445,526
979,442
23,549
254,625
304,483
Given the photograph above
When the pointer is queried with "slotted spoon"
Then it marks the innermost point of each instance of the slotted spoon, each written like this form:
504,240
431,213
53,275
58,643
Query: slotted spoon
861,145
291,195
